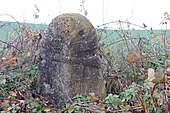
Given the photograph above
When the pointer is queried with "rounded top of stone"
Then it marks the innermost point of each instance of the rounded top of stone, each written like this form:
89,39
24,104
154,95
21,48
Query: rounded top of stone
71,24
71,15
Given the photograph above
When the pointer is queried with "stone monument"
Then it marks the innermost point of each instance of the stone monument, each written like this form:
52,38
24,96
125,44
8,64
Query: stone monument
68,63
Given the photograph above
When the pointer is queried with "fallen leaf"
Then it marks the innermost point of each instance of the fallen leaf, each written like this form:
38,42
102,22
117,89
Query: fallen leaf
29,53
151,74
68,106
131,58
149,85
3,81
14,53
12,93
168,71
47,110
7,58
6,109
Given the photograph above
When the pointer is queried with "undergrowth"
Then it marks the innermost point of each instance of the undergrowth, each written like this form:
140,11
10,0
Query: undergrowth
136,70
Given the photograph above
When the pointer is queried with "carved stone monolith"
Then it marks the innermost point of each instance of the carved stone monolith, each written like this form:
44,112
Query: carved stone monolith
68,62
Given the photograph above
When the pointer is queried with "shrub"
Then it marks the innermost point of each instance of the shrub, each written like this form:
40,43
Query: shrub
135,65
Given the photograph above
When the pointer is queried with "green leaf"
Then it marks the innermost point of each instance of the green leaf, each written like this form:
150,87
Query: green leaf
159,110
40,111
18,107
38,107
117,101
128,96
34,111
10,108
14,111
113,100
146,96
109,98
71,111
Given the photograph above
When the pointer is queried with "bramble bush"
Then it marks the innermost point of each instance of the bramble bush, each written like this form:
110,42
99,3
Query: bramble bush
135,66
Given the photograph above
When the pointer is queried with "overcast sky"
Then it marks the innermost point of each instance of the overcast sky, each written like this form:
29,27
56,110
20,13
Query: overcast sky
135,11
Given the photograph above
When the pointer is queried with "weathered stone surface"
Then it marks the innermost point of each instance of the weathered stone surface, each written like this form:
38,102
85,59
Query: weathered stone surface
68,63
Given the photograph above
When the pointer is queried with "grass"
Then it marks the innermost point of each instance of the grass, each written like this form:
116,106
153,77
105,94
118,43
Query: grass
11,28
